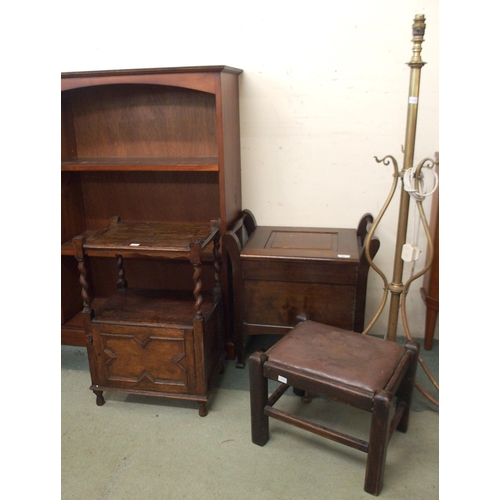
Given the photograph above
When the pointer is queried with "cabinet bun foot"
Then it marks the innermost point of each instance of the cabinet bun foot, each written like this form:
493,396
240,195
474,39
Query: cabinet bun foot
99,400
203,410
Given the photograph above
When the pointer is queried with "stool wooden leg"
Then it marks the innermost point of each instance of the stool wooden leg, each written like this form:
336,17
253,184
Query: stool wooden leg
259,394
377,445
405,390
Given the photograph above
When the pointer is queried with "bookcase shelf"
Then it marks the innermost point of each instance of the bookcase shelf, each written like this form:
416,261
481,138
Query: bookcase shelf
141,164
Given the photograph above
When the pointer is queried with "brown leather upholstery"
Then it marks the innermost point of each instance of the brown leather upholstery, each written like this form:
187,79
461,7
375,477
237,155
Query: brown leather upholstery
365,372
338,356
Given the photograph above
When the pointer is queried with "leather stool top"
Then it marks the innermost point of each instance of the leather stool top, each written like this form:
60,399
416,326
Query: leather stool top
337,356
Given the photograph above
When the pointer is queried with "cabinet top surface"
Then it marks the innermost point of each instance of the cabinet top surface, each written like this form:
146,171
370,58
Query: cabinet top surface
202,78
302,243
156,237
152,71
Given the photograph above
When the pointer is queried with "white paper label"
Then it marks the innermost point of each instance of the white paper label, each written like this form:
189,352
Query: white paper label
134,244
282,379
343,256
413,100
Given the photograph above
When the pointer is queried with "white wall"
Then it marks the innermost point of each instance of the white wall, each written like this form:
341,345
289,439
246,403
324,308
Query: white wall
324,90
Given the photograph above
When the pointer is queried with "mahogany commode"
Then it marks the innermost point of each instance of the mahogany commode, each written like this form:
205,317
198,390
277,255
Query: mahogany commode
278,273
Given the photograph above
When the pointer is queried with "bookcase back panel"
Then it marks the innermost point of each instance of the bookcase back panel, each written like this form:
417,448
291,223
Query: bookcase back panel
139,121
158,274
149,196
71,296
72,209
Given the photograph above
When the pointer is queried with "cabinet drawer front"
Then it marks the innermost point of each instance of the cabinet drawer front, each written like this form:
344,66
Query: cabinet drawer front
301,271
152,359
279,303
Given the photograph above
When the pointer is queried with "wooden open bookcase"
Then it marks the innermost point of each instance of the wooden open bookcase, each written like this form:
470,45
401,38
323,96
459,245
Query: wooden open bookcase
147,145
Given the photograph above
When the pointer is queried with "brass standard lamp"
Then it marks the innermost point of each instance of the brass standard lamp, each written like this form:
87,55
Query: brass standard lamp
408,175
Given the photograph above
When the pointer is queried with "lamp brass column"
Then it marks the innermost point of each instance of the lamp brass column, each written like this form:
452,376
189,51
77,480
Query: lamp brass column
396,286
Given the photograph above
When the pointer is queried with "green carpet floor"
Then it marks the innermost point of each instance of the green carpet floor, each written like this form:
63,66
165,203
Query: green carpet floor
76,358
145,448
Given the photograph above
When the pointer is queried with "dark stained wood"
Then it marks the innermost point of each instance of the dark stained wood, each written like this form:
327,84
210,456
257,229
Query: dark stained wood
364,227
72,206
365,372
149,341
143,121
320,430
71,304
148,308
430,288
153,145
159,239
285,300
149,196
279,273
141,164
232,286
202,78
73,326
267,268
228,139
288,243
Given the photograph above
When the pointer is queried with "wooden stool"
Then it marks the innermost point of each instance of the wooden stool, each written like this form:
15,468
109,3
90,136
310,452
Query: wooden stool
362,371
